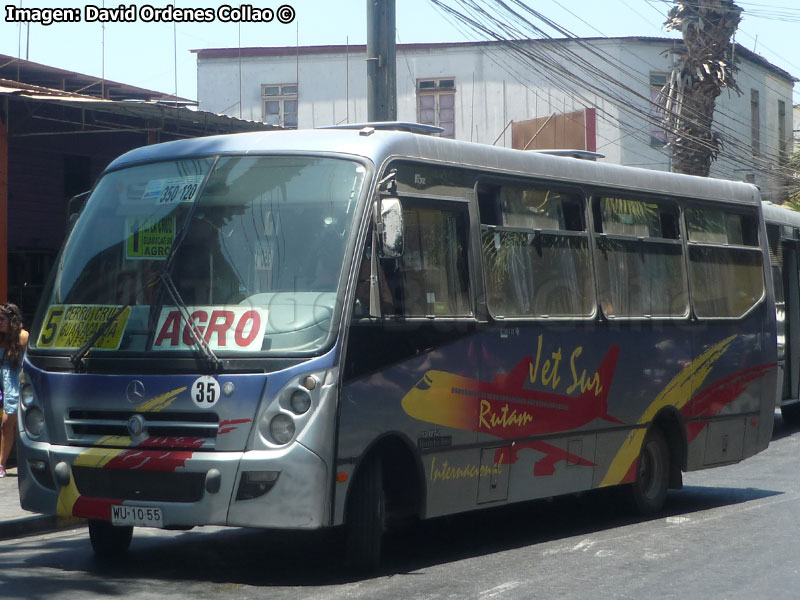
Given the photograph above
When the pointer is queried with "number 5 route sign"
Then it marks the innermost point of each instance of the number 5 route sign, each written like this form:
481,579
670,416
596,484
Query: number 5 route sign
72,325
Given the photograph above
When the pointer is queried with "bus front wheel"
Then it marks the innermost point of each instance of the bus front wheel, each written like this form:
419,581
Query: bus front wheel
649,490
366,518
109,541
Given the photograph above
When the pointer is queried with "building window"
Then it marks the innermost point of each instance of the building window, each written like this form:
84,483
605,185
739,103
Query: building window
755,123
436,104
658,135
782,137
279,104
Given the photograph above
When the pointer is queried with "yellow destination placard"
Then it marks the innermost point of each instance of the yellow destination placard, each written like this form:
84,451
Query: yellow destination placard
72,325
149,238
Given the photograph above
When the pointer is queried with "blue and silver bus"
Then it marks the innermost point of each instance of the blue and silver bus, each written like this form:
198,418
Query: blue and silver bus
356,328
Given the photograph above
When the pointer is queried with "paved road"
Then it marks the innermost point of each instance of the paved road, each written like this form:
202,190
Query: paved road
731,533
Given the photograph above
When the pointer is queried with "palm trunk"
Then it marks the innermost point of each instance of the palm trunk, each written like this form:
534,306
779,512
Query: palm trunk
704,66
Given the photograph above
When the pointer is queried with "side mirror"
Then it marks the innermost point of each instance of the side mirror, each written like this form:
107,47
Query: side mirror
74,208
390,228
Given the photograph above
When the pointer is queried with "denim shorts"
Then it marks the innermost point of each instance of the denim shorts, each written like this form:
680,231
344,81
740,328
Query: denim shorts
9,406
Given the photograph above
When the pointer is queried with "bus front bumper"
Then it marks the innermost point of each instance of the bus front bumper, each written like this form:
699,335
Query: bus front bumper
285,488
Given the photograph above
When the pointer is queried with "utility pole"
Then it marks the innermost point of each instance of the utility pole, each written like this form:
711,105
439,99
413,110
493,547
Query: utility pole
381,61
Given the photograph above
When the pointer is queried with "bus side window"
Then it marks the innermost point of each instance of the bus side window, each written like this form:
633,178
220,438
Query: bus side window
535,252
640,268
431,278
725,262
776,259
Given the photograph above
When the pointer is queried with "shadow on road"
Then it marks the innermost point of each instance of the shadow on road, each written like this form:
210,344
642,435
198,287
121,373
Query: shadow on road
257,558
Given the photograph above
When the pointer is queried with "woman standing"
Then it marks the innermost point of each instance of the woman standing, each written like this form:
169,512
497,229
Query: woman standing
13,339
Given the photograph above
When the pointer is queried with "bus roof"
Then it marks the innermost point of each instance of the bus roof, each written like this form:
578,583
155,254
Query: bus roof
775,213
379,145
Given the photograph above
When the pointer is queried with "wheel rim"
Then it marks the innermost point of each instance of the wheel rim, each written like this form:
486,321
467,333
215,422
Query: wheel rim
649,475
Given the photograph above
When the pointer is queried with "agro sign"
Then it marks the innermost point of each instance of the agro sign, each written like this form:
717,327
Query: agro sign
148,238
232,328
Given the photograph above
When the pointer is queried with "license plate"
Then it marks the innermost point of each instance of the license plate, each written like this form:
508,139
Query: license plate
141,516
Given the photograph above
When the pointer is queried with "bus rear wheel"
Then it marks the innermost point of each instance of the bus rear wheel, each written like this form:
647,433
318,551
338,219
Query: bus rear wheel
366,519
109,541
649,490
791,415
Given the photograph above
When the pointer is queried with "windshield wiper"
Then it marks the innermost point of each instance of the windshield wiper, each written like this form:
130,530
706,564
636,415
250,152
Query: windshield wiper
77,358
169,285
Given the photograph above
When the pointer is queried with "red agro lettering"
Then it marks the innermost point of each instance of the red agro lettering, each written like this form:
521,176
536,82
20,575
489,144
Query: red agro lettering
220,328
213,325
254,319
170,330
198,317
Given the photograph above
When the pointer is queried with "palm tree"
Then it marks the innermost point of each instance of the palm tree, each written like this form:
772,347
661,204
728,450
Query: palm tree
704,66
793,181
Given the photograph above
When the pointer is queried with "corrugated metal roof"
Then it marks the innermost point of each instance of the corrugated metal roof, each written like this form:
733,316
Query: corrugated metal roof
135,108
32,73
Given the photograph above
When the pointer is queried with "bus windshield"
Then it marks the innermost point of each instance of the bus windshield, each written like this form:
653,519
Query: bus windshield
241,254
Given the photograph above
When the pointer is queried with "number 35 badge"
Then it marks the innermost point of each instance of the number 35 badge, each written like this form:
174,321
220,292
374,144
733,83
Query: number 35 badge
205,391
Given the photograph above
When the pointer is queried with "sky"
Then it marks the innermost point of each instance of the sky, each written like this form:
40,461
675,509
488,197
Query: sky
157,55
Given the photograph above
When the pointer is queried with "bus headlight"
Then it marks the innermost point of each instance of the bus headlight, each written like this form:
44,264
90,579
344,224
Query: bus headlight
27,395
282,428
285,414
34,421
300,401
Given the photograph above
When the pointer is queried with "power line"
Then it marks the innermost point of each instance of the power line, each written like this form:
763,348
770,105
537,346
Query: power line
481,19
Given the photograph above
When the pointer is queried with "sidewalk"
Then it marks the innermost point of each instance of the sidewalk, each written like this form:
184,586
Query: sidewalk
16,522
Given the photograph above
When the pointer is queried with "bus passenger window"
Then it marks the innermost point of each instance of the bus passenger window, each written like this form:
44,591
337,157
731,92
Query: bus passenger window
431,278
640,267
535,252
725,262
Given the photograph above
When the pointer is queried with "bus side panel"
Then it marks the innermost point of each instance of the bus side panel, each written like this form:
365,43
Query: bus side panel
391,367
527,412
731,402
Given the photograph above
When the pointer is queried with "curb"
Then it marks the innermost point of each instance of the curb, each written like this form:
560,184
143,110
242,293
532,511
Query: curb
27,526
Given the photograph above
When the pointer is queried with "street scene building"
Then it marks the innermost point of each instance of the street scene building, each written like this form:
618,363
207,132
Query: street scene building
598,94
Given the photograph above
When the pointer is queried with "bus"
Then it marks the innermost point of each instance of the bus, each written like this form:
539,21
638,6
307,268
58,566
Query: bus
783,236
358,328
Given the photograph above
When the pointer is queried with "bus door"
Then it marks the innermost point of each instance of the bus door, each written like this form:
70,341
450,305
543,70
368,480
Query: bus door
411,369
789,325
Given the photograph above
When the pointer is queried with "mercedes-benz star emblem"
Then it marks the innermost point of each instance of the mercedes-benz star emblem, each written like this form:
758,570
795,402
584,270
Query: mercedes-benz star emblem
135,391
136,425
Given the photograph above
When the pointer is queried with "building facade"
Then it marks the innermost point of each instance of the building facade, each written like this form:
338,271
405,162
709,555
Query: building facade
591,93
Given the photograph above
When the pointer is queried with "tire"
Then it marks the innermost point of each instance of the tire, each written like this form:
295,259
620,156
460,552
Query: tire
109,541
649,490
366,519
791,415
